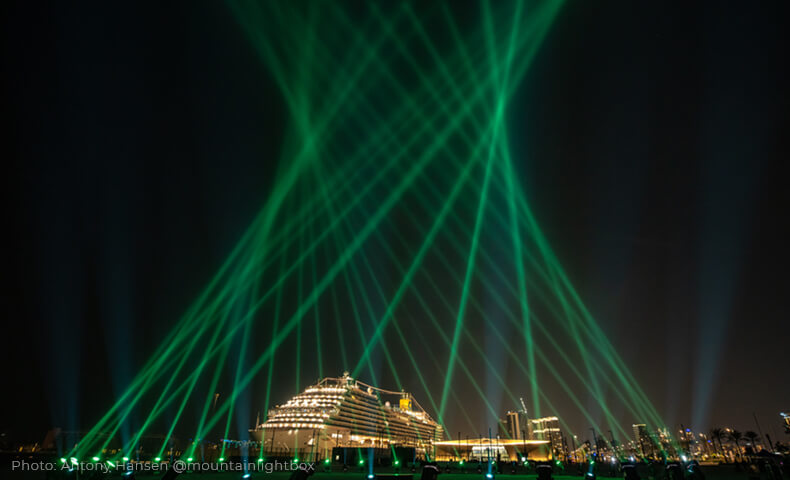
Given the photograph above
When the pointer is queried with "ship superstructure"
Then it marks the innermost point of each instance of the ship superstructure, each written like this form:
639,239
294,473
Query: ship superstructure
344,412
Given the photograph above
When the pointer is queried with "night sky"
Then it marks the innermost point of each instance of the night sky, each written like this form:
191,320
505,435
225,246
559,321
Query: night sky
141,140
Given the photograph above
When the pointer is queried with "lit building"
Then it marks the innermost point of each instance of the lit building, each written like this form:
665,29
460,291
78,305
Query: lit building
705,446
496,449
514,426
343,412
642,439
548,429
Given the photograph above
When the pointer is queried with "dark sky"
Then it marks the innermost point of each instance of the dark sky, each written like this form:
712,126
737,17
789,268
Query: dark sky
141,140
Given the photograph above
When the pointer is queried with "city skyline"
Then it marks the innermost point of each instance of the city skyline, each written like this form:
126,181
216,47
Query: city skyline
338,415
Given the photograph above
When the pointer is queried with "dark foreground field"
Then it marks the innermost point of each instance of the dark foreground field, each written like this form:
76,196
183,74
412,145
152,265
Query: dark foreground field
721,472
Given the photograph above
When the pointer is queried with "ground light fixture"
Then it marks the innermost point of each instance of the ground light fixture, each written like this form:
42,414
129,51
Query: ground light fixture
590,475
630,473
544,472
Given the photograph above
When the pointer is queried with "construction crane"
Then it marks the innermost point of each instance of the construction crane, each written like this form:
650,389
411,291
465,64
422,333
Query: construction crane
527,430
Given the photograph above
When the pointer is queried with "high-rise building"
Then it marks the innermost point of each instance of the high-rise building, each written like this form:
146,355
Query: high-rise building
548,428
642,438
514,425
640,430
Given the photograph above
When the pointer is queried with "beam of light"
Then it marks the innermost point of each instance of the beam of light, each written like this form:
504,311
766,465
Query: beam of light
331,202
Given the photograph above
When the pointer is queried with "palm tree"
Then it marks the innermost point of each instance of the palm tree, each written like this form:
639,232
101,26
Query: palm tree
718,434
736,437
752,437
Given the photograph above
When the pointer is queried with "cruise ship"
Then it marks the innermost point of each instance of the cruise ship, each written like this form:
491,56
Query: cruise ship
344,412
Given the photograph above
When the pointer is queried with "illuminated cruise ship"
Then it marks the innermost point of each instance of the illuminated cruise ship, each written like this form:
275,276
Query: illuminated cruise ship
344,412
